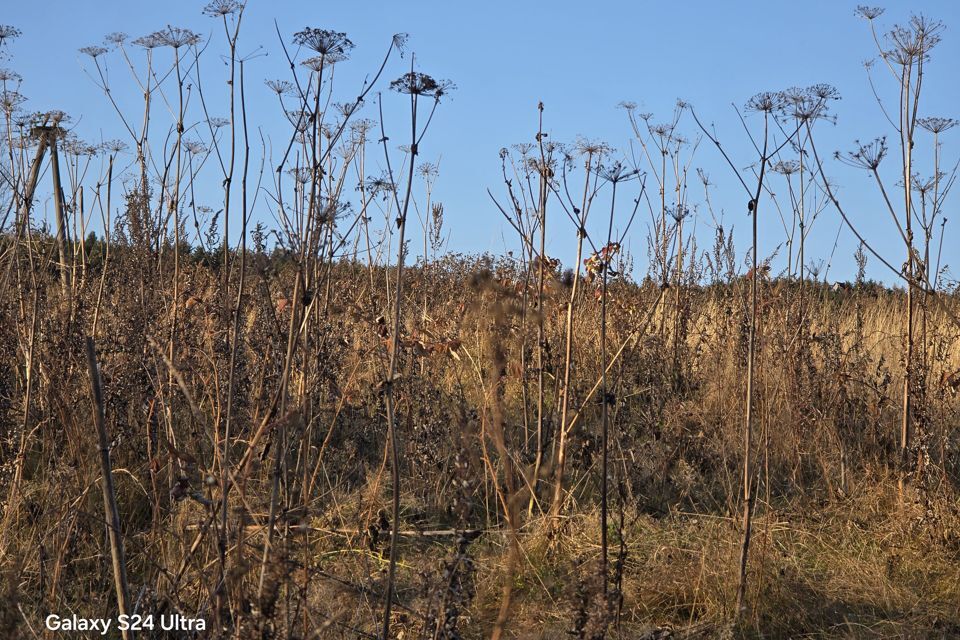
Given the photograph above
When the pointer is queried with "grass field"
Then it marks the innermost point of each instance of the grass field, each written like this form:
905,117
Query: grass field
335,425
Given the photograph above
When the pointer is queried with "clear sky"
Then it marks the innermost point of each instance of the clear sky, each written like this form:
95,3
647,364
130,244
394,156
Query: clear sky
580,59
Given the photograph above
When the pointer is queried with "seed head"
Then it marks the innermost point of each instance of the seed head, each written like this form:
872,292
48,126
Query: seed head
176,37
766,102
345,109
301,175
300,119
616,172
937,125
421,84
326,42
585,147
149,41
868,13
76,147
678,212
380,185
923,186
116,39
428,170
912,43
785,167
316,63
114,146
824,91
329,209
280,87
221,8
808,103
195,147
400,41
8,32
662,130
93,51
360,128
523,148
10,101
866,156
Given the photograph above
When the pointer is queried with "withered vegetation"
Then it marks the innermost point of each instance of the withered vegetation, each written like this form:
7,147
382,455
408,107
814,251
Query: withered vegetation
310,430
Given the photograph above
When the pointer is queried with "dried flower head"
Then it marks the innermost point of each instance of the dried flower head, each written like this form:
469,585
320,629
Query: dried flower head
923,186
428,170
116,39
662,130
380,185
911,44
195,147
345,109
221,8
360,128
176,37
93,51
300,119
300,175
329,130
114,146
868,13
326,42
678,212
617,172
317,63
937,125
8,32
808,103
866,156
10,101
766,102
330,209
824,91
279,87
23,120
591,147
149,41
421,84
523,148
785,167
74,146
218,123
9,75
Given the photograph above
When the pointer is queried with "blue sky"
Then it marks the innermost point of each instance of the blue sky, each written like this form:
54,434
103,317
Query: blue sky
580,59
